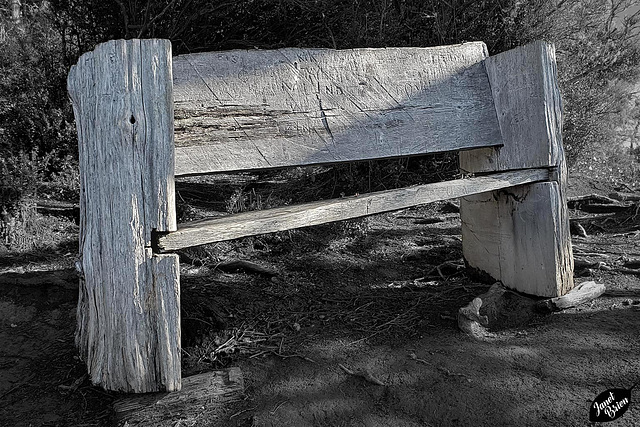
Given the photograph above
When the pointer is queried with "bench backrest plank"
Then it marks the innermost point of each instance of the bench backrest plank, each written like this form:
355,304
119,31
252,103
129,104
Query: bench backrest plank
247,110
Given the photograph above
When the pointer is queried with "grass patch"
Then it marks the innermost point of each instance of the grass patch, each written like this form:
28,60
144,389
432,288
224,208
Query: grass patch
28,231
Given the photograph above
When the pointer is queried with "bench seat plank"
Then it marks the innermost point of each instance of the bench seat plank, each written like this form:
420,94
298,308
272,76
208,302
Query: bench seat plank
320,212
248,110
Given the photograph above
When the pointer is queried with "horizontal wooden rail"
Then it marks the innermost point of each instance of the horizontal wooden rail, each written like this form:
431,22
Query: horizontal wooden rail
258,109
289,217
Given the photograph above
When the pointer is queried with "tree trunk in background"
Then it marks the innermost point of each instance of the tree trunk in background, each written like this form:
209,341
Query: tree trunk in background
16,13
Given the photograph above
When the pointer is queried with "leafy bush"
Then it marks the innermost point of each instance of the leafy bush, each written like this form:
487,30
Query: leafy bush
23,178
20,176
197,25
37,134
598,55
35,112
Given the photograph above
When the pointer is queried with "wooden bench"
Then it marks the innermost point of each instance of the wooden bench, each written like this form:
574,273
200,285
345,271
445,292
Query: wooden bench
144,117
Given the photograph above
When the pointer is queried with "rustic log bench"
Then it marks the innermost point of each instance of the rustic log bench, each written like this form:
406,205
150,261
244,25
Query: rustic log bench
144,118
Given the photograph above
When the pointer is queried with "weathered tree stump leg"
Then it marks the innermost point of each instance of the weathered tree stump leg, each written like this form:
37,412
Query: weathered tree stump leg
129,306
521,236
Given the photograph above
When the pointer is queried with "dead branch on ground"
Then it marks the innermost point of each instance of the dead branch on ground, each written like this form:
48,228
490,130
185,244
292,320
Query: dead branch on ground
364,374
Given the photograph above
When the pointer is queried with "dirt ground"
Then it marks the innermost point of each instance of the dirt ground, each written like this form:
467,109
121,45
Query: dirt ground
362,297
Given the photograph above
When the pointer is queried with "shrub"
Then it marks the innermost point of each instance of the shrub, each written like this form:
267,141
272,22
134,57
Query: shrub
35,112
20,175
598,56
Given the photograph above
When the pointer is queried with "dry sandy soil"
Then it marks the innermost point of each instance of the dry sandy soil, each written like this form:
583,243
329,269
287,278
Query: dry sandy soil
363,296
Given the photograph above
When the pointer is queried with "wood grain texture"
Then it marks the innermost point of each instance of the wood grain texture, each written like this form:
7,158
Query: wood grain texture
314,213
517,236
166,280
529,110
522,237
202,397
128,308
479,216
243,110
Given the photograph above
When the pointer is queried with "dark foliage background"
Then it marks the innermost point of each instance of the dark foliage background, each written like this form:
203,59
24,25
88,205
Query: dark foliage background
597,46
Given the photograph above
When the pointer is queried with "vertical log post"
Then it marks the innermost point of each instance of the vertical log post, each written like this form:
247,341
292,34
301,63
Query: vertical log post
520,236
129,308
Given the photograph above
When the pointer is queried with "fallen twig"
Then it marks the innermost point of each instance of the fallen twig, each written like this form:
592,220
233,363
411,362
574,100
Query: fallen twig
413,356
626,270
287,356
583,263
449,373
272,412
634,233
625,197
451,264
577,251
577,229
428,220
366,375
14,388
596,203
602,208
367,337
589,218
74,386
591,198
238,340
242,412
247,267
